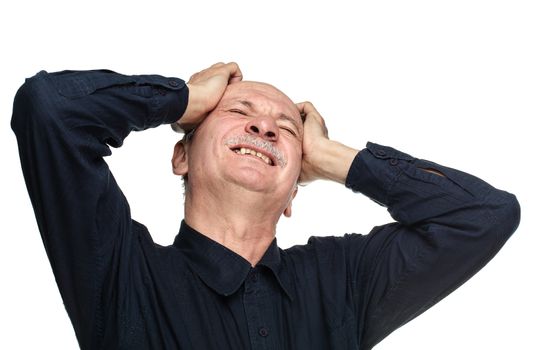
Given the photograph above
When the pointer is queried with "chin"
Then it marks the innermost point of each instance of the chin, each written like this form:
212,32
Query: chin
251,179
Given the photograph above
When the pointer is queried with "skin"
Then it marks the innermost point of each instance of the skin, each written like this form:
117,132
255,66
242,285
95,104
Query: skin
238,199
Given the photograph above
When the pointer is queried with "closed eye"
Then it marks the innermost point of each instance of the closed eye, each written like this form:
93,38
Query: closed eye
241,112
238,111
289,130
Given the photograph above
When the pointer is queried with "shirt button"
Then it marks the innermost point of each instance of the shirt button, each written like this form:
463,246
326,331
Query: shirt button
381,153
173,83
254,277
393,161
263,331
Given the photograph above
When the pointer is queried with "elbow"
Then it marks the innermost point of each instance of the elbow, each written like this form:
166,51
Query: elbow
31,105
512,214
505,216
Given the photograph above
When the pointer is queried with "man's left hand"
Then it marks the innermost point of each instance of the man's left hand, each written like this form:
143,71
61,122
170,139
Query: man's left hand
322,158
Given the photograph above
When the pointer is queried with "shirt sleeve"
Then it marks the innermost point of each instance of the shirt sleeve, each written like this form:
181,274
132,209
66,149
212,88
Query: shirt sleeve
447,228
64,123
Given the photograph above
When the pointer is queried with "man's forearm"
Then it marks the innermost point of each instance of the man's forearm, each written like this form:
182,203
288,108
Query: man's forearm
335,162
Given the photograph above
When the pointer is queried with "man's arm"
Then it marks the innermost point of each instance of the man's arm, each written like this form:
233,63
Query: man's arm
65,123
449,224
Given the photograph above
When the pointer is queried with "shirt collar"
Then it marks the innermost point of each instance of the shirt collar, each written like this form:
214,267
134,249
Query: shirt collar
222,269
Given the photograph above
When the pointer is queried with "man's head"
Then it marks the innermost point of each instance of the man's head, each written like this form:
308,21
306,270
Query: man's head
251,142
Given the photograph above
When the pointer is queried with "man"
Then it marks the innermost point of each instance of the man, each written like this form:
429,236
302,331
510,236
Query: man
224,283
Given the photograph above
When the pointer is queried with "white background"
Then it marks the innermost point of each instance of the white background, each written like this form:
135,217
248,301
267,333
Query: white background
450,81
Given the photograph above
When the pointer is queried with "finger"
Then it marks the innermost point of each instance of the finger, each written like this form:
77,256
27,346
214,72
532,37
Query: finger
306,107
301,108
208,70
308,110
312,118
235,73
304,112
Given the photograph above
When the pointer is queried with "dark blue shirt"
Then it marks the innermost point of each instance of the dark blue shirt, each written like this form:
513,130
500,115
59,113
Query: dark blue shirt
123,291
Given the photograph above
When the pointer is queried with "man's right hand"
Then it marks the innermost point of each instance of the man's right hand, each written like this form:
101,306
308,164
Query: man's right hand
205,90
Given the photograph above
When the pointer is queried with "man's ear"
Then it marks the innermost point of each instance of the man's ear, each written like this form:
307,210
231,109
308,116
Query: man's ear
180,166
288,211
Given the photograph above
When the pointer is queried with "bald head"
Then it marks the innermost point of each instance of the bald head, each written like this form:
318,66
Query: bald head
268,90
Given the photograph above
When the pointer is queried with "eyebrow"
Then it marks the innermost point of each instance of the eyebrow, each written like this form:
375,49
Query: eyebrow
246,103
291,120
282,116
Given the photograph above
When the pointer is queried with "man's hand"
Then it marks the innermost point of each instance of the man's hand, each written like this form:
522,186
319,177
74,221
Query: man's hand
322,158
205,90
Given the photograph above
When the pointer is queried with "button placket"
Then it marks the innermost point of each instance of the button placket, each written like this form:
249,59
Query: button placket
255,304
253,277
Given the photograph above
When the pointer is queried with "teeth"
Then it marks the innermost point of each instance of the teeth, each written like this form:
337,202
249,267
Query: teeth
244,150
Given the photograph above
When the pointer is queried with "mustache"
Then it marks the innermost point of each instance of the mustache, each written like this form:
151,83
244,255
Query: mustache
260,144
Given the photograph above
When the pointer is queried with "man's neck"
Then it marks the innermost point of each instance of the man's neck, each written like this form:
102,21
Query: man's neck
242,221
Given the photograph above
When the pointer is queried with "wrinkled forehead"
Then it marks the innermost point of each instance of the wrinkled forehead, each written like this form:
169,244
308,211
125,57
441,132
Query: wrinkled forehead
261,95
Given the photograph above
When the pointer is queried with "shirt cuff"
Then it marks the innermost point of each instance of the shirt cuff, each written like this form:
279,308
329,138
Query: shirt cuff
171,96
374,170
176,100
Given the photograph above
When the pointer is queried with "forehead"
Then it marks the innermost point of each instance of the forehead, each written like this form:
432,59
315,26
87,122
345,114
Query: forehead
261,95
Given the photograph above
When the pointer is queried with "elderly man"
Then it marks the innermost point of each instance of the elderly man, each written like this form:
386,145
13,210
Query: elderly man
224,283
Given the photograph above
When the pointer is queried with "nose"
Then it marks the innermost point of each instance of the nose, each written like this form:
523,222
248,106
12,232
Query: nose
264,127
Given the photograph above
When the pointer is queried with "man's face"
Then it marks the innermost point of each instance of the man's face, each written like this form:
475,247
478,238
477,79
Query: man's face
252,139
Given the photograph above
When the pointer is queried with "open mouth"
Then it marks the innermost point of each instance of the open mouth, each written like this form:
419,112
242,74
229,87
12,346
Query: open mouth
251,152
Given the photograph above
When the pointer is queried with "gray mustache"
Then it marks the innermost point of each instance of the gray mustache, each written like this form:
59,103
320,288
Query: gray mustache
258,143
